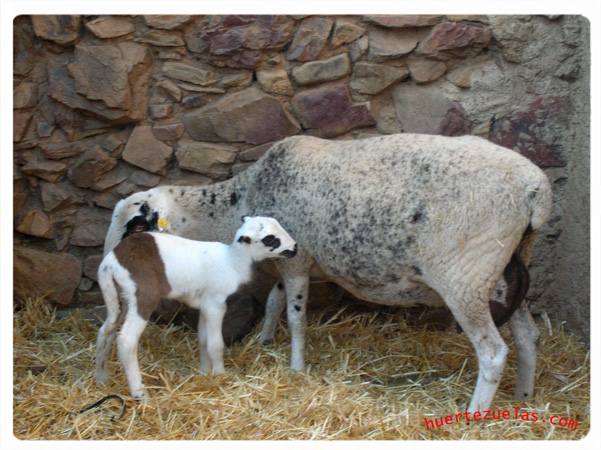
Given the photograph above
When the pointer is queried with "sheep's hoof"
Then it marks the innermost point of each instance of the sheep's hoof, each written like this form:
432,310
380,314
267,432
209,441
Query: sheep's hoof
267,342
297,366
521,395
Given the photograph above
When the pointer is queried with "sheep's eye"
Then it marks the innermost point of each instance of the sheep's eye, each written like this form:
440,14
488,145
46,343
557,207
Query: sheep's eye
268,240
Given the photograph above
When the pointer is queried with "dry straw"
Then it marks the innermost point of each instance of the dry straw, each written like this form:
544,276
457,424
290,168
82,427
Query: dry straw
370,376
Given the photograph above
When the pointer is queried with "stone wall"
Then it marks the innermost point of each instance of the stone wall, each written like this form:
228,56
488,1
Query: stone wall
109,105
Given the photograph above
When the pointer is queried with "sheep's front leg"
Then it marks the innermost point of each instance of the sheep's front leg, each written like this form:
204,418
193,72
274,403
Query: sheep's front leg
525,335
214,311
276,301
127,346
297,291
205,361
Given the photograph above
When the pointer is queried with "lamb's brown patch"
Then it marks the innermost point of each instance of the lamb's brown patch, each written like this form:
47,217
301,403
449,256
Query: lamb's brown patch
139,254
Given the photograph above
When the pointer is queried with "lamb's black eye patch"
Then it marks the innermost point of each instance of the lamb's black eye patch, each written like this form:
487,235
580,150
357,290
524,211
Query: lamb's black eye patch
271,241
244,239
267,240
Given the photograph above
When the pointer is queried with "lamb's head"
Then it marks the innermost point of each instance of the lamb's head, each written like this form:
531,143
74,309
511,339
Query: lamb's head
265,238
138,213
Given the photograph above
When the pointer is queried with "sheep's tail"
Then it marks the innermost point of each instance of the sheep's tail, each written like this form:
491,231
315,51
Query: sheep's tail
526,246
540,198
108,287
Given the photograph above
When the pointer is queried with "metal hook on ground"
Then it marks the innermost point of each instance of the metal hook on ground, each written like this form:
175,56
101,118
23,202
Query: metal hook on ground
103,400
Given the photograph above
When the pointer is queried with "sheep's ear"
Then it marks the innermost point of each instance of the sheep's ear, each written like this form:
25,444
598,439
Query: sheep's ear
243,218
244,239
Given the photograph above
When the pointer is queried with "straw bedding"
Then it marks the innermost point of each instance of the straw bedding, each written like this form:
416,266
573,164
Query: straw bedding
370,376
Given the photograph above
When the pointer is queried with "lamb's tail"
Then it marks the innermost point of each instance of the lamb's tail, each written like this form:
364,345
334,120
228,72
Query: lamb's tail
108,287
116,228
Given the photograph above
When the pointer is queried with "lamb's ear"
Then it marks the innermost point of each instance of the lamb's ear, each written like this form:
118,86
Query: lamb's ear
243,218
144,209
244,239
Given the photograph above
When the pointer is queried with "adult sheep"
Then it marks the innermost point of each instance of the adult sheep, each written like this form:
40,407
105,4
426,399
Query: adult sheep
388,218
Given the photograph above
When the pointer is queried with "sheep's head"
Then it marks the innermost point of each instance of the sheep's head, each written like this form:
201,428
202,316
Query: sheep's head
265,238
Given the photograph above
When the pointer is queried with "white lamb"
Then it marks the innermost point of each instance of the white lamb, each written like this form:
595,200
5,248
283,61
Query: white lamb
146,267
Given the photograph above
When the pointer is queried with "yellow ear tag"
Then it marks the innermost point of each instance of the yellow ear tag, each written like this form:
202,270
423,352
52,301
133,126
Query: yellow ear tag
163,224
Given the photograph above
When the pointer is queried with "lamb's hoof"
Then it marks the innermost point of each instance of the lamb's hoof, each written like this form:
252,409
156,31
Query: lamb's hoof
102,378
267,342
139,396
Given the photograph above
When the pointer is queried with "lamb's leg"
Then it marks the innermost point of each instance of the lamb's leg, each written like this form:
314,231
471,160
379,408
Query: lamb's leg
472,312
104,345
127,346
297,291
205,361
525,335
214,311
108,331
273,310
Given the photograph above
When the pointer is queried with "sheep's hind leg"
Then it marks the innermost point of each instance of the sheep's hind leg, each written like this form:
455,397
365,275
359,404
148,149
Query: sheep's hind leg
276,301
525,335
127,346
472,312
